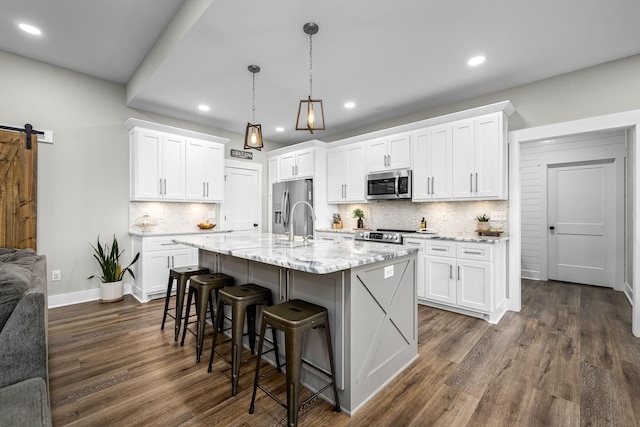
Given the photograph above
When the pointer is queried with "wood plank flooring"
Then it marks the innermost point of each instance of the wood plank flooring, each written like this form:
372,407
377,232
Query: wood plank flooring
567,359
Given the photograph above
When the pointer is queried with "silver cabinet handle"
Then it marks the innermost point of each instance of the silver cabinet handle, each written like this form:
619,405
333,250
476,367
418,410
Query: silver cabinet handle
458,272
476,182
439,249
470,183
207,189
172,262
428,184
204,190
433,180
450,271
473,252
165,186
168,244
168,263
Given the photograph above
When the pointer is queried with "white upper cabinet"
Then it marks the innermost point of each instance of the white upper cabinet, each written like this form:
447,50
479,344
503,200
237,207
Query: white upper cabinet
388,153
157,165
480,158
204,171
297,165
171,164
345,174
432,163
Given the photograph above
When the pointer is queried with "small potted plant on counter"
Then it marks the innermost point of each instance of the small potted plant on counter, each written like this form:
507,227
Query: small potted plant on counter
111,283
358,213
483,223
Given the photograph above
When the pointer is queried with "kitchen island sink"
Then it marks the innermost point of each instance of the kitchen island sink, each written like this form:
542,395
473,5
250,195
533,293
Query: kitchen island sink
368,288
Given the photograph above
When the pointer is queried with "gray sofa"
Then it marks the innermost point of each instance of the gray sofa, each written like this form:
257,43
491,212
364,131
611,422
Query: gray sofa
24,381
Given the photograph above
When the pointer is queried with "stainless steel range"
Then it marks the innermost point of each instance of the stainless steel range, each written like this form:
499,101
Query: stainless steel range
382,235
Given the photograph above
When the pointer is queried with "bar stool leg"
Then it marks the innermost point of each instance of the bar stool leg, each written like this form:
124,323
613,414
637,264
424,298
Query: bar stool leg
251,327
258,359
201,319
237,329
186,323
219,318
182,286
166,302
327,334
293,346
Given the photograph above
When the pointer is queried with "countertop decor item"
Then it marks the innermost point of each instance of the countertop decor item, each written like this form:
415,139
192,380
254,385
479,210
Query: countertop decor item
111,286
358,213
206,225
146,221
483,223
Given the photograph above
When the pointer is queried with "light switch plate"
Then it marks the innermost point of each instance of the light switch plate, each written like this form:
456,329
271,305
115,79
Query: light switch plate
498,215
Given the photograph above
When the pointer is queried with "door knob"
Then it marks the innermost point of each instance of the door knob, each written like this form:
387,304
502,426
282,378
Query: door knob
255,225
552,228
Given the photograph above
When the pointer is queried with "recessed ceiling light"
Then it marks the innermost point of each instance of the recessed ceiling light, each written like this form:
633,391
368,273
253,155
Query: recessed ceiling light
279,129
349,104
203,107
30,29
476,60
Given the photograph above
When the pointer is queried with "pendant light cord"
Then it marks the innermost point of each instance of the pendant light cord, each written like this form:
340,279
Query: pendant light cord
310,66
253,107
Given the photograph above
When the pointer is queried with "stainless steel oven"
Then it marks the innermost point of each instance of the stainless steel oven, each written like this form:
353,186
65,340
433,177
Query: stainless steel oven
391,185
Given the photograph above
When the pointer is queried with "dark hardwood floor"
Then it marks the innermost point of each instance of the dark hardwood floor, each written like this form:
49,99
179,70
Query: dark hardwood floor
567,359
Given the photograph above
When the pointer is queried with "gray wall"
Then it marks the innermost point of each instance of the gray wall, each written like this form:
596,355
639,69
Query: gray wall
83,178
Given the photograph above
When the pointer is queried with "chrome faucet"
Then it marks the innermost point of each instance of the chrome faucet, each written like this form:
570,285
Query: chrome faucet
293,209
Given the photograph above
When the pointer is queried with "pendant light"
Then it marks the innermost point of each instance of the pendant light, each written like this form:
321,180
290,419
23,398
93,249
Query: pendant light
310,111
253,134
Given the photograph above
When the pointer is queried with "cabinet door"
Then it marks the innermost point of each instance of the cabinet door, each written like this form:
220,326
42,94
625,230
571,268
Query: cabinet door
195,184
489,157
463,160
421,288
305,164
335,175
440,160
287,166
354,173
399,151
214,172
439,280
146,165
173,167
420,167
377,153
332,237
156,267
474,285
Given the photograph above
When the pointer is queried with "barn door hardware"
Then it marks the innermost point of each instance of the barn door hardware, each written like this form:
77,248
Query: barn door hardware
28,130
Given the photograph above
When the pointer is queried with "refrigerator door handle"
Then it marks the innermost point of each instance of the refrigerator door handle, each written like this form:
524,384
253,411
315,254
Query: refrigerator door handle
285,209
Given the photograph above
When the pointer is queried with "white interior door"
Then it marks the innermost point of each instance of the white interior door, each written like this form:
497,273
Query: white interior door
581,212
241,207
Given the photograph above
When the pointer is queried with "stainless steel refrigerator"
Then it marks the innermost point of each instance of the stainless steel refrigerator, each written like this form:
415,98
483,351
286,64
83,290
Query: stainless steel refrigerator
285,195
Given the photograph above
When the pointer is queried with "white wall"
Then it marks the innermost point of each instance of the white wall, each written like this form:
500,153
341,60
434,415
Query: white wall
83,177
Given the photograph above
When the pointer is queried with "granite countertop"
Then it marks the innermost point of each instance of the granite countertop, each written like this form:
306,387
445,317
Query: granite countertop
319,257
336,230
138,232
467,238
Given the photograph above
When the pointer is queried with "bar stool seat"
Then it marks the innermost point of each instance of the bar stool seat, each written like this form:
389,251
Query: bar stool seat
294,318
201,286
181,275
243,299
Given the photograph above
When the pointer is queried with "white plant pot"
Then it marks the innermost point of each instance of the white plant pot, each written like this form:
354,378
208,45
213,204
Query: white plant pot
111,291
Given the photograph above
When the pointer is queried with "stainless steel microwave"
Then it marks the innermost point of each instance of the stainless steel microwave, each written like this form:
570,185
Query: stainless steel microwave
391,185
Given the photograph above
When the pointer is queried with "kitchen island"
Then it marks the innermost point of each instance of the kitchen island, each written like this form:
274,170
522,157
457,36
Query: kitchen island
368,288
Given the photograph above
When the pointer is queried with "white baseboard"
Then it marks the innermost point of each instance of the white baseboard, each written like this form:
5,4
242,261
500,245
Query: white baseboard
628,291
61,300
530,274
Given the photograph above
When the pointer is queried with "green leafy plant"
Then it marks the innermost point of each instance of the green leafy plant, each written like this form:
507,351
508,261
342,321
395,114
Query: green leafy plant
358,213
482,218
109,261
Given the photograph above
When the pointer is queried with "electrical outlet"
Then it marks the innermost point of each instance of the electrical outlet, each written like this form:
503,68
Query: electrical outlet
498,215
56,275
444,216
159,214
388,271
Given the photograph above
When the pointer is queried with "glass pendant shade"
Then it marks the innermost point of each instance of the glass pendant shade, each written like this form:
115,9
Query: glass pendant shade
310,115
253,137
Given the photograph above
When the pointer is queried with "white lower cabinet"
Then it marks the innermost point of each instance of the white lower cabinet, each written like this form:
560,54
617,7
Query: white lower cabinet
334,236
157,256
466,277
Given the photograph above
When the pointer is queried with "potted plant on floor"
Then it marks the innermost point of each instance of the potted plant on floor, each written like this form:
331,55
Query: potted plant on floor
483,223
358,213
111,286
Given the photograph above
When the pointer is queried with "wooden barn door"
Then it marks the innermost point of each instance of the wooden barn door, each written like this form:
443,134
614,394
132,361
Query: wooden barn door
18,185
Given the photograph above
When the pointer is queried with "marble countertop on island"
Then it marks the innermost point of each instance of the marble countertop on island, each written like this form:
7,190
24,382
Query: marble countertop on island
196,232
467,238
319,257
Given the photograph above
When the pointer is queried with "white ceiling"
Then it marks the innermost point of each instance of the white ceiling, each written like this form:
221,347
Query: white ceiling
390,58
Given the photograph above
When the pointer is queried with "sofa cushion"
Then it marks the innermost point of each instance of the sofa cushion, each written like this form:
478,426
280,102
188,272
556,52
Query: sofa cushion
25,404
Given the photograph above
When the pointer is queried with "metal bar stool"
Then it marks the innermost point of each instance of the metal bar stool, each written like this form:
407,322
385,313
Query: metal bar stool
201,286
242,299
295,317
181,275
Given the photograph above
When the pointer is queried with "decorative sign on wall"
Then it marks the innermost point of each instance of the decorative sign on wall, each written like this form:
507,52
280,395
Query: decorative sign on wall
241,154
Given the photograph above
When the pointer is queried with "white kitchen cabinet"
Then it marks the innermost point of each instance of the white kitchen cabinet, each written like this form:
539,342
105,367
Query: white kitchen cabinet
297,165
157,165
466,277
204,171
480,158
158,254
432,163
334,236
420,264
393,152
345,174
